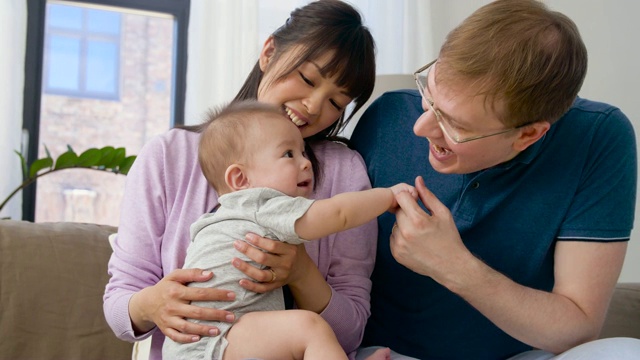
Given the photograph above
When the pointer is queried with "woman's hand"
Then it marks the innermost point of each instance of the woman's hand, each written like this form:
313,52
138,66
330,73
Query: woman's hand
167,304
286,263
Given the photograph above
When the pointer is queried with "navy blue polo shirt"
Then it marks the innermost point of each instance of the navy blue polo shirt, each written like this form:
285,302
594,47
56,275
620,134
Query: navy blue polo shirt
577,183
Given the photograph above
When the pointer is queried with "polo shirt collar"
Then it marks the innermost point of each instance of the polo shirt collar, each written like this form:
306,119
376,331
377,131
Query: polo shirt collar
525,157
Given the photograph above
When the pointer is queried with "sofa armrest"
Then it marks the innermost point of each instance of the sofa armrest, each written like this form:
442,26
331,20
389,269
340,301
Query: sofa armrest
52,279
623,317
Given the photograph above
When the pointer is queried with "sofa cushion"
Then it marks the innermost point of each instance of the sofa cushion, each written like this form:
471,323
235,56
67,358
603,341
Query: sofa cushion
52,278
623,318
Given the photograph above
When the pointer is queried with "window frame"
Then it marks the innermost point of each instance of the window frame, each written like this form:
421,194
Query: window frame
34,62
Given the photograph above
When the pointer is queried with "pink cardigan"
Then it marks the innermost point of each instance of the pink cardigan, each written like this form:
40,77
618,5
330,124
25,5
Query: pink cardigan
165,192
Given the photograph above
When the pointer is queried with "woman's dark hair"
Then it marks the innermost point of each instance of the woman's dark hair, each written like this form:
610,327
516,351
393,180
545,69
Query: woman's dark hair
315,29
319,27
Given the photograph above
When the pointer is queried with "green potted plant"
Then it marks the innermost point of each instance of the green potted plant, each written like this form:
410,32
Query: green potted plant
107,159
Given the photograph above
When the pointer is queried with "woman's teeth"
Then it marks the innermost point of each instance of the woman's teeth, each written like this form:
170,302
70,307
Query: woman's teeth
294,118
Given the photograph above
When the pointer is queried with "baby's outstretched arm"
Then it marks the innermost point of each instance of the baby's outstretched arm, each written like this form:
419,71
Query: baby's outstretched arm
348,210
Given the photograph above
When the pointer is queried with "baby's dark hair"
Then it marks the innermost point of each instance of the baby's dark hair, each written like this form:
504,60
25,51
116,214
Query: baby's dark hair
223,138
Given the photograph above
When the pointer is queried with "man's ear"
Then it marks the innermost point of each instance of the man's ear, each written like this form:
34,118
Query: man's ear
235,178
268,49
529,134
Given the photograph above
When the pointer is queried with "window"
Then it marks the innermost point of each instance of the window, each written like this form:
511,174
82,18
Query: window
98,73
82,52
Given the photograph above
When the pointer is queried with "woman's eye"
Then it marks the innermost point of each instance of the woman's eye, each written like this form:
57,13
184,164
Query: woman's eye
336,105
304,78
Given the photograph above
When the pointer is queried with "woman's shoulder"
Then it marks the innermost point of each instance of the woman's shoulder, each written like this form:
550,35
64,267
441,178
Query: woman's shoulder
343,169
175,138
335,151
175,144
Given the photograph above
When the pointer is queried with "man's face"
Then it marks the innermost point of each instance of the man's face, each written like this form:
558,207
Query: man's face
463,116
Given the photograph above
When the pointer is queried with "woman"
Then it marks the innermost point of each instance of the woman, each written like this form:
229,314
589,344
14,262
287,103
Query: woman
312,67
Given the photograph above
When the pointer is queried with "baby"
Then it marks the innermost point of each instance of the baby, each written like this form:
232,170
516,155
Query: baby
255,158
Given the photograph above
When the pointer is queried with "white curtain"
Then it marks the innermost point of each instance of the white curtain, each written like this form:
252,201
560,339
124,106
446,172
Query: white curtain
223,46
225,38
13,17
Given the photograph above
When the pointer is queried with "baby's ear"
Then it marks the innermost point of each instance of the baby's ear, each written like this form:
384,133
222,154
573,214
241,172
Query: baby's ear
236,178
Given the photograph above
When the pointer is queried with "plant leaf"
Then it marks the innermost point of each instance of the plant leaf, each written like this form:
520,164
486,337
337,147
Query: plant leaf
89,158
118,156
125,164
66,160
38,165
23,163
107,153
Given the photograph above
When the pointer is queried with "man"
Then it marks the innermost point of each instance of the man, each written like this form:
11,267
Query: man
527,192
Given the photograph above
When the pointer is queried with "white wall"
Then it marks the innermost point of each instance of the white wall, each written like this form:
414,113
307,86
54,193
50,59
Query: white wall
609,29
13,17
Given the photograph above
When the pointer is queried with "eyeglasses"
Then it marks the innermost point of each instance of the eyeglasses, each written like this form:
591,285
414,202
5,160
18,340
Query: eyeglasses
456,134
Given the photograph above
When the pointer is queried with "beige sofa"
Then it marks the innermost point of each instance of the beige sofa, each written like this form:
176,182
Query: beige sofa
52,277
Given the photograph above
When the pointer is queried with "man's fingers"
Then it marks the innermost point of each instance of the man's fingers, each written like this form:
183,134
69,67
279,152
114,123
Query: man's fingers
430,201
407,202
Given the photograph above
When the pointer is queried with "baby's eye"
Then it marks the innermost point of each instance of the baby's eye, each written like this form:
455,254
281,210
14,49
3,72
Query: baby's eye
288,154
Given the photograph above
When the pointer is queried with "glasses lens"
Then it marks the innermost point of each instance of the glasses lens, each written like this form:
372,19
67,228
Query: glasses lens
421,80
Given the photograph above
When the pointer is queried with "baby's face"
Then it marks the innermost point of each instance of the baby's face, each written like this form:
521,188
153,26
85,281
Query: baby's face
280,161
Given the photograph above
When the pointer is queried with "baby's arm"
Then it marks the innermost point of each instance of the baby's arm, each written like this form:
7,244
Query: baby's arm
348,210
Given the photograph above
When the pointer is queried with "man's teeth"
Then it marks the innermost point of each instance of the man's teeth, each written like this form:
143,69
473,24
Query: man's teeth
295,118
440,150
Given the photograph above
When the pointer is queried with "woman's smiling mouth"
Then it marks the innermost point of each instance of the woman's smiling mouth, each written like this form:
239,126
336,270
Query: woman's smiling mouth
294,118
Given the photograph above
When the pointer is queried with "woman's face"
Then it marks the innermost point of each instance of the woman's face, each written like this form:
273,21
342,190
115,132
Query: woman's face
312,102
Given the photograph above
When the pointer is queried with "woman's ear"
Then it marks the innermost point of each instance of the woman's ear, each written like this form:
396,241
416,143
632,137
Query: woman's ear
530,134
235,178
268,49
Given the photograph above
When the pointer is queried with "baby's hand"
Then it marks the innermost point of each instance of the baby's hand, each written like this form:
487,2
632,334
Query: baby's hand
399,188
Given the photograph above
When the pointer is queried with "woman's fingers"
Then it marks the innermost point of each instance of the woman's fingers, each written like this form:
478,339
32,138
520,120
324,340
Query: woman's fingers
275,257
171,303
185,276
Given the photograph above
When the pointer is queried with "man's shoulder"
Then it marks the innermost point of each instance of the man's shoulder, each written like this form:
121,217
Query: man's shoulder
585,108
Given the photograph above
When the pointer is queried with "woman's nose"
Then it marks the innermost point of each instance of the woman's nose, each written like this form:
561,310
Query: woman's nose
312,103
